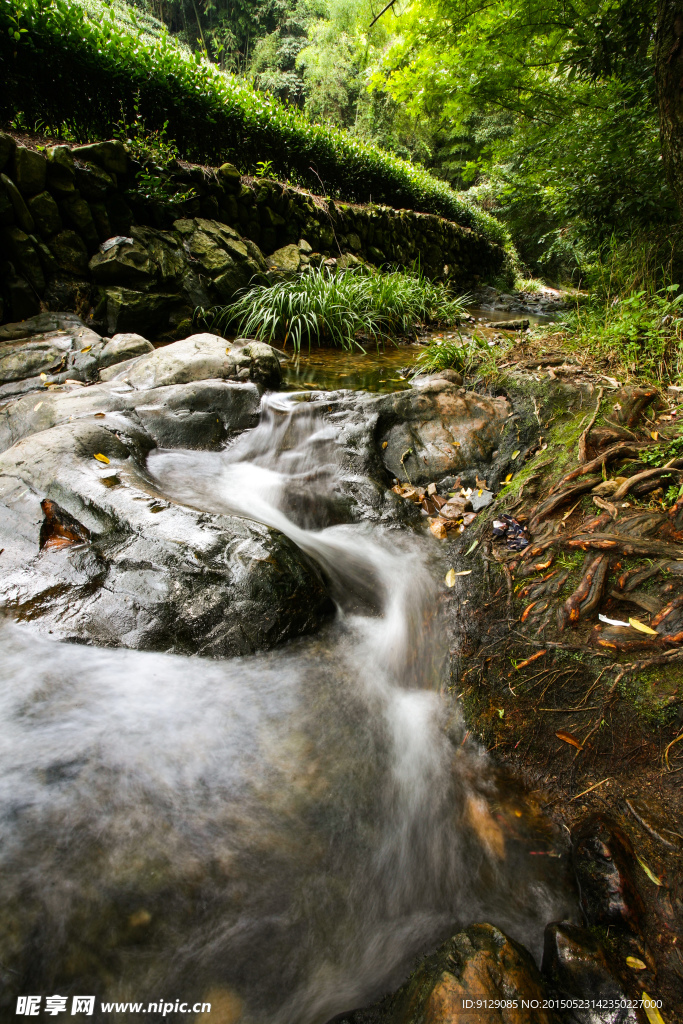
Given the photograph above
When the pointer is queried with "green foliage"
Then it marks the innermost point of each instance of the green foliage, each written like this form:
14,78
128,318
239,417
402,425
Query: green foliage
154,188
658,454
211,116
443,354
549,107
321,306
641,329
264,168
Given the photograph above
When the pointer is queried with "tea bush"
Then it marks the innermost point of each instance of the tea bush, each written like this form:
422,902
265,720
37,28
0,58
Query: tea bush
71,73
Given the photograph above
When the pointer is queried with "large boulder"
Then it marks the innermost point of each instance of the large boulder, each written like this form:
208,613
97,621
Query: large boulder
202,414
152,574
436,429
153,279
200,357
479,974
59,347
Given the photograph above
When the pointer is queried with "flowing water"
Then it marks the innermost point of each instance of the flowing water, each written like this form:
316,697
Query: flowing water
280,834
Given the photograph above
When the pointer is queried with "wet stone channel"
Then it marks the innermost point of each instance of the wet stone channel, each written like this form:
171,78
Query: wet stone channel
232,768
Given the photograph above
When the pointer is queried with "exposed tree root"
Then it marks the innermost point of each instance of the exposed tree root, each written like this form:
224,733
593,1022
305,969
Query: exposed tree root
584,436
587,595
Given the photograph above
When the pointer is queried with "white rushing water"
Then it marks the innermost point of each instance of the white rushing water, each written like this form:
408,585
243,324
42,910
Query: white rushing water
284,831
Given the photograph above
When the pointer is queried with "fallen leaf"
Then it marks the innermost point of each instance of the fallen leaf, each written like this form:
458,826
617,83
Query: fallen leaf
636,964
463,572
567,737
471,547
99,415
515,454
43,376
78,382
37,406
384,444
641,627
654,434
87,348
508,478
101,458
651,1012
650,874
450,578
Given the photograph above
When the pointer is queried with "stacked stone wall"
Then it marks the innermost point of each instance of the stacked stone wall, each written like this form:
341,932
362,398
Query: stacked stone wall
90,229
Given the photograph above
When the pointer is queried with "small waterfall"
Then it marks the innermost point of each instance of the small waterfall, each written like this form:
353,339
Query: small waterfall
285,831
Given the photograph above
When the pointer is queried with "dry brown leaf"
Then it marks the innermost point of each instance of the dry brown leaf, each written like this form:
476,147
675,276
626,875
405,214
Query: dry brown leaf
567,737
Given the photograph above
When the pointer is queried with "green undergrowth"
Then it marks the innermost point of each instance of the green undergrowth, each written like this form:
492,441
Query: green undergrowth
640,331
104,68
323,306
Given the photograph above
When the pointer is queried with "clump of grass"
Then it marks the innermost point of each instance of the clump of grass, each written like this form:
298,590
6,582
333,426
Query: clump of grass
464,355
640,330
324,306
442,354
530,285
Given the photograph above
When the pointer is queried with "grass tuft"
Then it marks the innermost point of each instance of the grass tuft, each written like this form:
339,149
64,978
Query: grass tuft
322,306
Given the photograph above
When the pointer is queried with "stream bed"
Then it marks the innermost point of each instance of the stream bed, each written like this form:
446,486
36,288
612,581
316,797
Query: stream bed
280,833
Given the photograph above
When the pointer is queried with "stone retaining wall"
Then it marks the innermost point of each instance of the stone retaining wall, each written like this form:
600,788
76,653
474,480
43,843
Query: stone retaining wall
83,229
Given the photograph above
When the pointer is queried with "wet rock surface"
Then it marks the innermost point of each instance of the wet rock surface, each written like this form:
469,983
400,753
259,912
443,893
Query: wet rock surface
54,348
437,429
154,575
106,559
544,302
603,860
575,964
476,967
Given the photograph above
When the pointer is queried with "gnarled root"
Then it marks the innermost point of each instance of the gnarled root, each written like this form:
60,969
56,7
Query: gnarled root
587,595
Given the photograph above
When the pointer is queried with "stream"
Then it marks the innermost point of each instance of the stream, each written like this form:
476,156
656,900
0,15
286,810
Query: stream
281,833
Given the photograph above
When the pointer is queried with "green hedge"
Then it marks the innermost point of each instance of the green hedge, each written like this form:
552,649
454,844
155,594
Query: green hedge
59,67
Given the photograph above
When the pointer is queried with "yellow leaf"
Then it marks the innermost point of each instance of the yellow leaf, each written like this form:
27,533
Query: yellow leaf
651,1012
650,874
101,458
508,478
635,963
87,348
43,376
384,445
654,434
37,406
515,454
641,627
450,578
463,572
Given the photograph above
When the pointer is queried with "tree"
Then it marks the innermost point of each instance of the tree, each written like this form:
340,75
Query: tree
669,79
